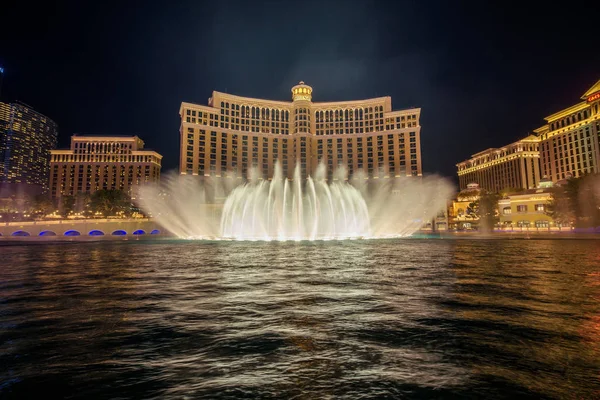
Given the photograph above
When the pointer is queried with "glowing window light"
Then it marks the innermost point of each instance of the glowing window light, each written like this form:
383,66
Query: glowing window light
72,233
119,232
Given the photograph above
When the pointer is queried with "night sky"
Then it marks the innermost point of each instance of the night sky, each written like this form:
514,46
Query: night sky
483,75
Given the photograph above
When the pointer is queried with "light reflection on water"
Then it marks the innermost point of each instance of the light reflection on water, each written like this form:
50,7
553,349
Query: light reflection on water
360,319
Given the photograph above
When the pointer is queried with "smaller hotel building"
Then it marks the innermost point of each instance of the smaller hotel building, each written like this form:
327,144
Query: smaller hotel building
516,165
102,162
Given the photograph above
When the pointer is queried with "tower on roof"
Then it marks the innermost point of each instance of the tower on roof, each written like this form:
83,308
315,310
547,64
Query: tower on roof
302,92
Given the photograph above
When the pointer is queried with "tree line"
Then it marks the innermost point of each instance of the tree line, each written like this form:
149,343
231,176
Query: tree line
102,203
577,203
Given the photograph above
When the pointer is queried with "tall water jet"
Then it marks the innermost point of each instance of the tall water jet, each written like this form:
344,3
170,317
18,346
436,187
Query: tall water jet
294,210
300,209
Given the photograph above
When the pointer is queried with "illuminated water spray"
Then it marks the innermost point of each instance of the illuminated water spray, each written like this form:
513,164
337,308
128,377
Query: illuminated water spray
311,209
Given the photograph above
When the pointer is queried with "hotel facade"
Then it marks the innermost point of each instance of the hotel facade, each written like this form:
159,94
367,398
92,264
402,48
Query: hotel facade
569,141
233,134
102,162
567,145
514,166
526,209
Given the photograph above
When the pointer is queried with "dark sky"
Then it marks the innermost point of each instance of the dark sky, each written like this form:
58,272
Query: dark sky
484,75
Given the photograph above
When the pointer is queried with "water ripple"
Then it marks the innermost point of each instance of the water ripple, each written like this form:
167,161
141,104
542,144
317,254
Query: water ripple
490,319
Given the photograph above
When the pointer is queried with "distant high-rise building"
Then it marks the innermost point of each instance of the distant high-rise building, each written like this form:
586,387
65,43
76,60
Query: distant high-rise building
103,162
26,138
233,134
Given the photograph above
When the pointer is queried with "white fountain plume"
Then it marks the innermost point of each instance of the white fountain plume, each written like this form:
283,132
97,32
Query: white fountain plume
295,210
180,206
300,209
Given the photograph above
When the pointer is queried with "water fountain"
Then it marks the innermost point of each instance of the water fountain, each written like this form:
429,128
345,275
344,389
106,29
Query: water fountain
297,209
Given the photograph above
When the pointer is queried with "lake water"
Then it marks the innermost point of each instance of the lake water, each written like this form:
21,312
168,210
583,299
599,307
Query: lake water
412,318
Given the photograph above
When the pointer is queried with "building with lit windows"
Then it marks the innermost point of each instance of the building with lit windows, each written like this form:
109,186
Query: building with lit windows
460,212
568,145
102,162
516,166
527,209
569,142
233,134
26,138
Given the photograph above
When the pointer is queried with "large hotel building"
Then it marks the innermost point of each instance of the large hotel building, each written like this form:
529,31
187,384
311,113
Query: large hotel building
26,138
102,162
567,145
233,134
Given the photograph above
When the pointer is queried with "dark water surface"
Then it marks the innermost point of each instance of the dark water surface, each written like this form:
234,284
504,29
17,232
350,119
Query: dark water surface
480,319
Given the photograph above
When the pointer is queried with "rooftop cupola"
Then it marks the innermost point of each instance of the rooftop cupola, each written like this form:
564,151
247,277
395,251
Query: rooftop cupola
302,92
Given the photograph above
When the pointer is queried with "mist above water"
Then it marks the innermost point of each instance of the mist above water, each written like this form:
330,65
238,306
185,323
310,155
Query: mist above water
298,209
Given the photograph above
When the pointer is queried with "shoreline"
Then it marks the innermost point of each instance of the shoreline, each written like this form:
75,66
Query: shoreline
516,235
34,240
